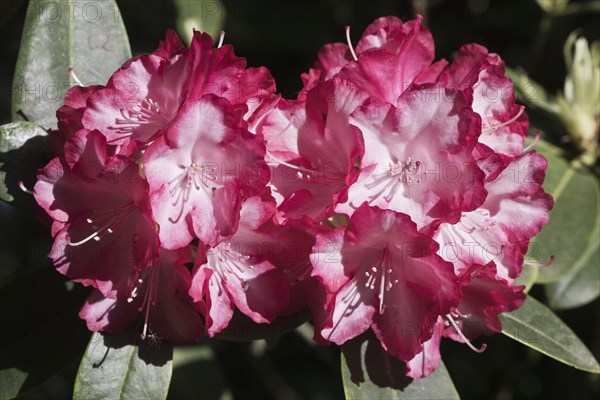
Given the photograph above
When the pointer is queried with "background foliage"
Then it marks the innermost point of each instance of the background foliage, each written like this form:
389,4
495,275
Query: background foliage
42,340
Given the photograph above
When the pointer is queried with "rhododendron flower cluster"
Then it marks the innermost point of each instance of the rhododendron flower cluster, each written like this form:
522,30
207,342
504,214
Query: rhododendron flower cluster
393,194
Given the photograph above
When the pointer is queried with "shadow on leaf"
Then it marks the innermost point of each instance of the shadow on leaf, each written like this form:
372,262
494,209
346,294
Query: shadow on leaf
368,361
22,152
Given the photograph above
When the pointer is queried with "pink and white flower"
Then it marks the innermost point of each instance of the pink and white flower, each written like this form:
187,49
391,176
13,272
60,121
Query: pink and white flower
389,57
381,273
160,298
425,160
312,150
103,231
418,157
200,171
253,270
480,75
143,97
497,230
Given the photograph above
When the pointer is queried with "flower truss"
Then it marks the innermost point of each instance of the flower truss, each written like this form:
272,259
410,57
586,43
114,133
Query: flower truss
394,194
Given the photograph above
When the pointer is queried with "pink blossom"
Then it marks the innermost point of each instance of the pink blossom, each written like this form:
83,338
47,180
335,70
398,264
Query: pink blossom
139,100
312,150
170,46
103,232
428,359
480,75
381,273
418,157
160,299
253,270
144,96
220,72
497,230
70,115
200,171
483,296
188,150
388,58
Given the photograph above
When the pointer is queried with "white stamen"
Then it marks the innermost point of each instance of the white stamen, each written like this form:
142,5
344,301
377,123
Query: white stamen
87,239
350,43
492,127
381,292
224,262
23,188
106,221
221,38
143,335
463,337
533,143
149,297
316,171
398,174
75,78
539,264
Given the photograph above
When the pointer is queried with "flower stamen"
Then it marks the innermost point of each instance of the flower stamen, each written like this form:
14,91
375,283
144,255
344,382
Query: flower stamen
221,39
224,261
463,337
23,188
147,111
398,173
494,125
74,77
106,222
539,264
381,270
533,143
350,43
149,297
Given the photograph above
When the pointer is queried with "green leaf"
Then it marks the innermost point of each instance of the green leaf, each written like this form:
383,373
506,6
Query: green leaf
243,329
115,366
23,150
369,372
58,34
580,287
196,367
538,327
572,235
205,16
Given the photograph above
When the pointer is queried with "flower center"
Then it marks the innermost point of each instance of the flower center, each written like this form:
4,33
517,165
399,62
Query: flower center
151,278
478,220
147,111
105,222
399,173
317,172
228,263
195,177
379,277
